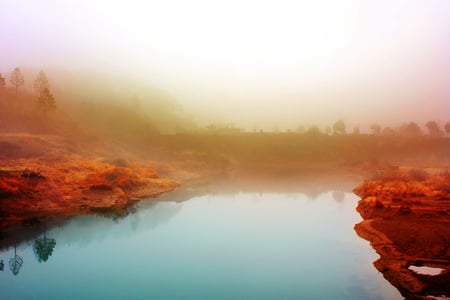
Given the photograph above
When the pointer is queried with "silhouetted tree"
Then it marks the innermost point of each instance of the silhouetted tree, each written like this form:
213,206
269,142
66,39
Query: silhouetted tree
41,82
46,101
17,79
2,81
339,127
447,127
376,129
433,128
15,263
411,129
43,248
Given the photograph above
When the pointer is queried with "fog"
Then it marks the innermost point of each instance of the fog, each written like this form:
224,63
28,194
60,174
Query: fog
256,64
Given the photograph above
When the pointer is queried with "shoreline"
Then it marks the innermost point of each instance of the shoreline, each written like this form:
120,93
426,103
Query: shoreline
411,229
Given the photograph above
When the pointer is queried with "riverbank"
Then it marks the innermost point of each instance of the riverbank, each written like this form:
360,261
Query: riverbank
48,177
406,219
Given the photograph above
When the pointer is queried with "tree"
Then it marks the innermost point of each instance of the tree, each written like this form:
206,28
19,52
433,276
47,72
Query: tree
433,128
46,101
43,248
410,129
388,131
313,131
15,263
356,131
376,129
41,82
17,79
447,127
2,81
339,128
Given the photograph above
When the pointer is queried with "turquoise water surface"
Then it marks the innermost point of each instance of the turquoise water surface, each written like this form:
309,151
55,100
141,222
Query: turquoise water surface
233,246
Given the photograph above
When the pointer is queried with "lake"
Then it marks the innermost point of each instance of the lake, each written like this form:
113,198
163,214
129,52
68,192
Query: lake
244,245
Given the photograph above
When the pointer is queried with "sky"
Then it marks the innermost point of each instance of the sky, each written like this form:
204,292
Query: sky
257,64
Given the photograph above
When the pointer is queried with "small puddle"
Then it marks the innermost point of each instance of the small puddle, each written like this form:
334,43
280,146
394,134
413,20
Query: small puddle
426,270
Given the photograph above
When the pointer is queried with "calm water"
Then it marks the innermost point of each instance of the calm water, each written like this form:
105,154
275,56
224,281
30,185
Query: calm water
241,246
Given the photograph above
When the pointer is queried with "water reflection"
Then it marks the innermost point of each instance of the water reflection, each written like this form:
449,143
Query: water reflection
245,245
312,187
338,196
15,263
43,248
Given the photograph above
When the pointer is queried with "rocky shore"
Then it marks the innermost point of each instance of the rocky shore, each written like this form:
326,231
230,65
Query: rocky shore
406,219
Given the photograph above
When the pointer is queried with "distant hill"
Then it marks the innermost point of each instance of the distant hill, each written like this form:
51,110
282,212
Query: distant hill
92,105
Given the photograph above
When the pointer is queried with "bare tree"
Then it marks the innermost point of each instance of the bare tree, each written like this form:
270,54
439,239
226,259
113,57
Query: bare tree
339,128
17,79
433,128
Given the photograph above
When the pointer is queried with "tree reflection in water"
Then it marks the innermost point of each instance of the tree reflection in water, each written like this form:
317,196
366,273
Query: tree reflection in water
15,263
43,248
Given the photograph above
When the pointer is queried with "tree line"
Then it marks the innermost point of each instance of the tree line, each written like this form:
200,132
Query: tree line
45,101
408,129
411,129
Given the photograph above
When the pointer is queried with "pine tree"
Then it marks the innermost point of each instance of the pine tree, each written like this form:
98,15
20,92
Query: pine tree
41,82
17,79
46,101
43,248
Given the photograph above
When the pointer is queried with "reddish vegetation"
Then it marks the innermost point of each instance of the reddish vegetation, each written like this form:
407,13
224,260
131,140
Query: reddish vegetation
41,178
407,221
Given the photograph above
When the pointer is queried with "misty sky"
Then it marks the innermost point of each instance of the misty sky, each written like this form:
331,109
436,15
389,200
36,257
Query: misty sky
255,63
